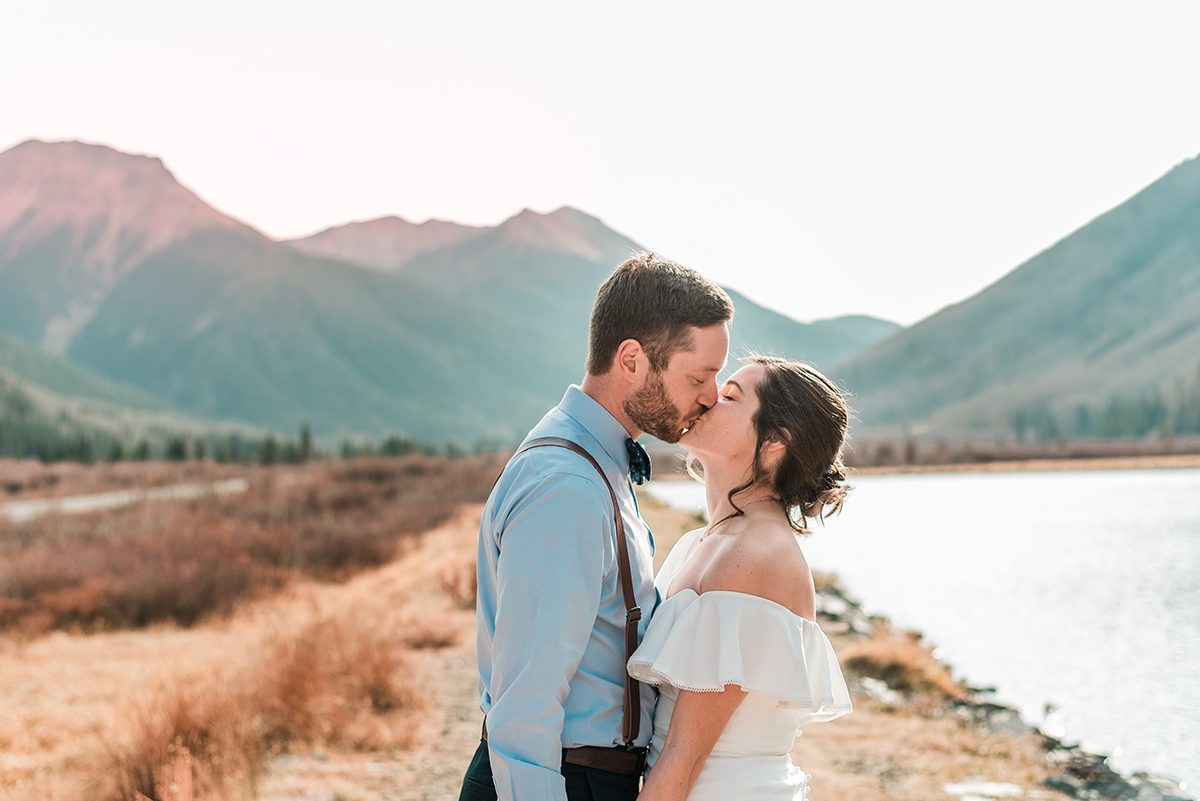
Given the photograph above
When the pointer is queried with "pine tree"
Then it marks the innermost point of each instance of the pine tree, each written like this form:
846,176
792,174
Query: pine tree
177,450
268,452
306,443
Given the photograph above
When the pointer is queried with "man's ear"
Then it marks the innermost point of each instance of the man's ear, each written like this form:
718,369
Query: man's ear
631,362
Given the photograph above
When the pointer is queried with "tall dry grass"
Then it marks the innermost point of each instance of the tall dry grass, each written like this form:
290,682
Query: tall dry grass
182,561
903,661
336,680
459,579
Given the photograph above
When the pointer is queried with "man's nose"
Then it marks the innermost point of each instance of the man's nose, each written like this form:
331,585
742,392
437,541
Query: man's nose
709,398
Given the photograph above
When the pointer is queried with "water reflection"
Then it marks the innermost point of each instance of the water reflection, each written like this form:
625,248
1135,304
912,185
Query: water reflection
1075,589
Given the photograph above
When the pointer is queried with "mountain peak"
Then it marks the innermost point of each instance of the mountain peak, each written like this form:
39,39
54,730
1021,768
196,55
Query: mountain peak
48,184
384,243
102,209
38,154
562,214
566,229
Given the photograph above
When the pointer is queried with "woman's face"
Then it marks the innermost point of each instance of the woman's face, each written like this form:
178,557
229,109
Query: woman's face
726,431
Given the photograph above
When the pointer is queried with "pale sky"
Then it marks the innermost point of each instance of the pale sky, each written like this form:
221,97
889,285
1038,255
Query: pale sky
824,158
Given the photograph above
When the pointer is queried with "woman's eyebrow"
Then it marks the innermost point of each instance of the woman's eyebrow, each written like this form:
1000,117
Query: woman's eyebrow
736,384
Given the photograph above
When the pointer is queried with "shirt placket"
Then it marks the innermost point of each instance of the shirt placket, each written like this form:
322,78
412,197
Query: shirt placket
636,508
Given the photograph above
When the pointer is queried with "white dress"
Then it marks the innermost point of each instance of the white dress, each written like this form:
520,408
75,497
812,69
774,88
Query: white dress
702,642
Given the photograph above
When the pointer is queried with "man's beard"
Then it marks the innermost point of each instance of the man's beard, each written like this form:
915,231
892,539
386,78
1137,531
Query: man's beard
651,410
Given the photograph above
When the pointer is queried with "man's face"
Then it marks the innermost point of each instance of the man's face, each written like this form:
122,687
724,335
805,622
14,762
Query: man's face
670,400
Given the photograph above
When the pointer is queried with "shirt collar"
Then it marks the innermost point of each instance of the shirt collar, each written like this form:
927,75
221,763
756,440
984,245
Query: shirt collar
598,422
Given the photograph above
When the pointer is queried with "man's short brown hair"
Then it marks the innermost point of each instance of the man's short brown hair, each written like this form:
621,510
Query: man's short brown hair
653,300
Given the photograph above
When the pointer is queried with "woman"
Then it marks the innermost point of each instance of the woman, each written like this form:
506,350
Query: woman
734,646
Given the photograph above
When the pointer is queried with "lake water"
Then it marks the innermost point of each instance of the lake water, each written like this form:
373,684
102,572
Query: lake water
1079,589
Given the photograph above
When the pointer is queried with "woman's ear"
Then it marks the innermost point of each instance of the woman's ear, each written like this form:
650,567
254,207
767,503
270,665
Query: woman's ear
774,443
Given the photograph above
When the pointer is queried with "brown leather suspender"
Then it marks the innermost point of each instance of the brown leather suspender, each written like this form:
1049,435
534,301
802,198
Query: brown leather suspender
632,714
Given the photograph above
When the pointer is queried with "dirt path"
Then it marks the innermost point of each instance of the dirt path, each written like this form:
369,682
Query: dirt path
448,732
430,770
21,511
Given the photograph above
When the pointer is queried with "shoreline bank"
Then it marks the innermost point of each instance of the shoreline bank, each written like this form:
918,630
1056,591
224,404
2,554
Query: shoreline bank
915,734
894,672
1158,462
1081,773
1162,462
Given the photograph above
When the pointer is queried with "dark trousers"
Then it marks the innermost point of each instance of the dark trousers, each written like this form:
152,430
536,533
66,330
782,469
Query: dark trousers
583,784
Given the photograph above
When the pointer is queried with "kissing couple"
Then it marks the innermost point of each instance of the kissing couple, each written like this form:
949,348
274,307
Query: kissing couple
600,681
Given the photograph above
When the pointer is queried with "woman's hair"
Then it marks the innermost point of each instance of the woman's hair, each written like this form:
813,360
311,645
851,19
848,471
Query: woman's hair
807,413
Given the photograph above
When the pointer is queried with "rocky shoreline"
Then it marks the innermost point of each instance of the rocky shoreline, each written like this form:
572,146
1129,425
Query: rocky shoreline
1077,773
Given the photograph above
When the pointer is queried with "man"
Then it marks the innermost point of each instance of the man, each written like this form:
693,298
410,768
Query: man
551,613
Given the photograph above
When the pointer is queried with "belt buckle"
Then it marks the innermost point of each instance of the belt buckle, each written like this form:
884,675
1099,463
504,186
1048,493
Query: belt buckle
641,752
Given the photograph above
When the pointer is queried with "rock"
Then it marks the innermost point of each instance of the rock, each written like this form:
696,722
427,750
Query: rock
835,591
832,607
983,789
1087,775
1008,721
1066,785
981,690
1158,788
861,625
878,689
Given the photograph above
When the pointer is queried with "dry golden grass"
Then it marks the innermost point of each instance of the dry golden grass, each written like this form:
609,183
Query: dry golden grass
422,631
27,478
342,666
902,660
327,683
365,690
184,560
823,581
884,753
458,578
335,680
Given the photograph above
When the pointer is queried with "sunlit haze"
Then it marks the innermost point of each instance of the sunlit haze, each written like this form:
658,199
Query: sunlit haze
825,159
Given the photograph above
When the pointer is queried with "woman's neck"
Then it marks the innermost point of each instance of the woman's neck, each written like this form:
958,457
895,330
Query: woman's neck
719,480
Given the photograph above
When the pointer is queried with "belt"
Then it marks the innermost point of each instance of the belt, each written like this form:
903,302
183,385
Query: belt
617,759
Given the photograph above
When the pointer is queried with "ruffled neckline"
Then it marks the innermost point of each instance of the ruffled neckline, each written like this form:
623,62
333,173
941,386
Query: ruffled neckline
744,596
703,642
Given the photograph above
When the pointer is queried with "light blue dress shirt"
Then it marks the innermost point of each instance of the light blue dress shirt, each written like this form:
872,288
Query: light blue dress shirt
550,616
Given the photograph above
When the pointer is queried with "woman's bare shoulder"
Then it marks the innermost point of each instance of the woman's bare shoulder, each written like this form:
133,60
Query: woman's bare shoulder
764,560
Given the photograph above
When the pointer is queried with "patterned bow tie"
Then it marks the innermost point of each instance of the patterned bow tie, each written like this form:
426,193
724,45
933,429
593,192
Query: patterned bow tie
639,462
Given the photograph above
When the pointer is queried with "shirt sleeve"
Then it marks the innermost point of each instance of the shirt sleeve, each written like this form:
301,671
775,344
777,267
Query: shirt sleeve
550,573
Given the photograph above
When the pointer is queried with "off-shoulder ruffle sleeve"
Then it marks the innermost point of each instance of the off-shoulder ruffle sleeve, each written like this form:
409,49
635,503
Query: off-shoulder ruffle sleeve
702,642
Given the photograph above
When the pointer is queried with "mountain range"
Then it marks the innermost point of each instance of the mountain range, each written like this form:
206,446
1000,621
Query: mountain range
121,289
51,406
1099,334
439,331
